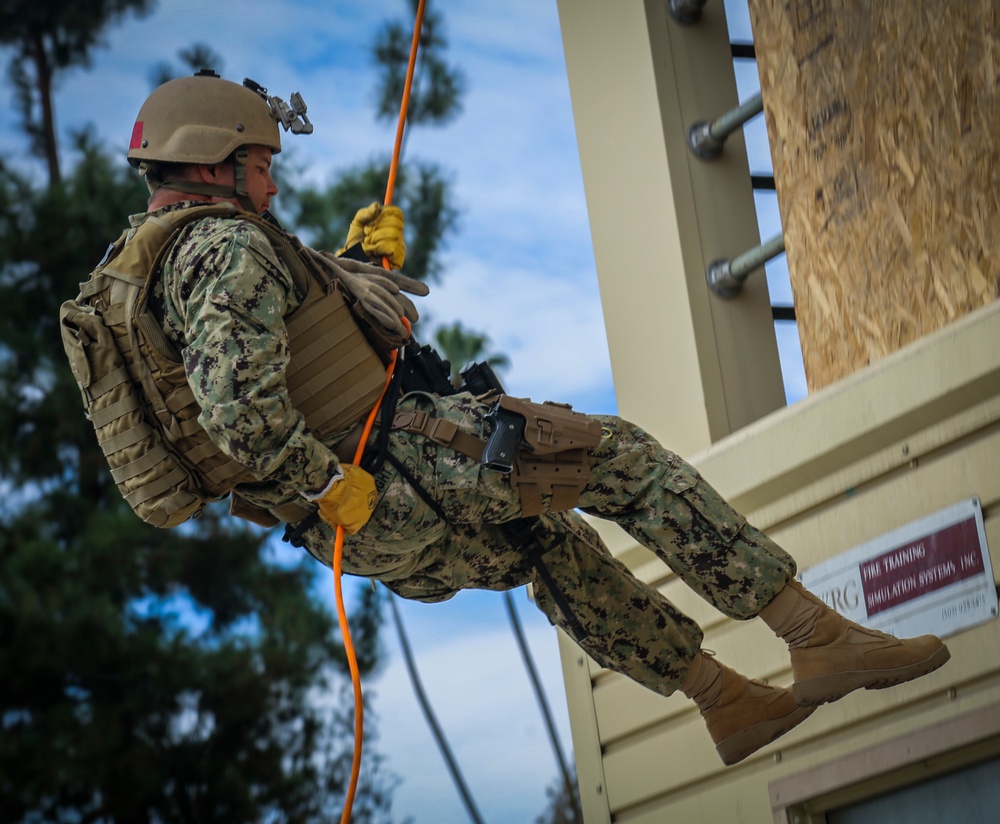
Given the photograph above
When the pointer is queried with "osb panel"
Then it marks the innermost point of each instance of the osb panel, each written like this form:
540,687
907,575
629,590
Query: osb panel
883,121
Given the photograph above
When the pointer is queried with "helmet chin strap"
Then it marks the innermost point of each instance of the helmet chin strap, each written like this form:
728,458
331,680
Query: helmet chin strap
240,158
199,187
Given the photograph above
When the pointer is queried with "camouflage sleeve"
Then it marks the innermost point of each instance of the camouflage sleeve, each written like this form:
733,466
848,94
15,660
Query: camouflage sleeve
236,354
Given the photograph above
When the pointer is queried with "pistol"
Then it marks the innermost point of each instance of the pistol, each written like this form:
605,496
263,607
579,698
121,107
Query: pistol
505,437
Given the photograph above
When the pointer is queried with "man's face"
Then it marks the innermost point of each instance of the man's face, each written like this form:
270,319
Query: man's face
260,187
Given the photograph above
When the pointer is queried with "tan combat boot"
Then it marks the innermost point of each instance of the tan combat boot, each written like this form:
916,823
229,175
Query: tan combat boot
742,715
832,656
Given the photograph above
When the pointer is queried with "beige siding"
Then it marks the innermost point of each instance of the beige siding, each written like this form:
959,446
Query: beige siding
656,756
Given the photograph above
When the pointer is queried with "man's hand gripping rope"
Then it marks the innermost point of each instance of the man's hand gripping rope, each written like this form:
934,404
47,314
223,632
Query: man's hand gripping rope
379,230
349,499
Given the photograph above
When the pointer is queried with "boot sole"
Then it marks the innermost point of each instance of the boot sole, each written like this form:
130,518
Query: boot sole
746,742
827,688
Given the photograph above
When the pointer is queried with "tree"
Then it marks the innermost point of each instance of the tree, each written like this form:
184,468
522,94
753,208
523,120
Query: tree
564,807
170,675
460,346
48,38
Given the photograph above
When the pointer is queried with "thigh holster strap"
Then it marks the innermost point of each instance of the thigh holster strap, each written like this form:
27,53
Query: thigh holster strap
553,461
439,431
563,475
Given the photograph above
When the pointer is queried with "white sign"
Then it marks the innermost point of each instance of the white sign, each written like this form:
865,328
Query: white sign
930,576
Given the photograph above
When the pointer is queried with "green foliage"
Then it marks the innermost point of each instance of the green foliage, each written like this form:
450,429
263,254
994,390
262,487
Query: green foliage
172,675
193,59
49,240
47,38
69,31
461,346
113,706
564,804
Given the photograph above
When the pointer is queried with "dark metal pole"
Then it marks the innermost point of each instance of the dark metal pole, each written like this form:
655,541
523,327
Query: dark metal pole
543,704
425,705
685,12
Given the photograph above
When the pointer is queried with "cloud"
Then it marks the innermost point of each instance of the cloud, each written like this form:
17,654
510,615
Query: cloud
552,329
474,676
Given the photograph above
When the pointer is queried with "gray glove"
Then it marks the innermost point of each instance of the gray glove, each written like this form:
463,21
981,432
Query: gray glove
379,292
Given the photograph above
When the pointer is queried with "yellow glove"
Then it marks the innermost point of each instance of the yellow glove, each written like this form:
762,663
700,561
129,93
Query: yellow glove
379,230
349,500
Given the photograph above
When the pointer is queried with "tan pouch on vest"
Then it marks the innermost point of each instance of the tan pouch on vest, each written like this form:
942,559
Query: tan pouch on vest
334,377
152,480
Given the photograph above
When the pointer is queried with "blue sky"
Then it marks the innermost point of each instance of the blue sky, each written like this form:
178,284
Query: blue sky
521,270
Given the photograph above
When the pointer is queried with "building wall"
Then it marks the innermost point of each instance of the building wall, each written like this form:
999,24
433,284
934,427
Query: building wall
849,464
914,432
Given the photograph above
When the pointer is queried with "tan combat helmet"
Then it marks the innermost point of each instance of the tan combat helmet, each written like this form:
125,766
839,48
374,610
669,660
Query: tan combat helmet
203,120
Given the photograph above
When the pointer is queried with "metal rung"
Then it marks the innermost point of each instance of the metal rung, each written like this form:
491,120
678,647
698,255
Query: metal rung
707,139
725,277
685,12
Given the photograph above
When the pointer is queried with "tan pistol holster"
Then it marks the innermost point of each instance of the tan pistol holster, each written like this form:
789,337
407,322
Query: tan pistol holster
553,459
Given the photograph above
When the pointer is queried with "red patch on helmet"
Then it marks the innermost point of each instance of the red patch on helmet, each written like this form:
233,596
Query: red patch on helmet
136,141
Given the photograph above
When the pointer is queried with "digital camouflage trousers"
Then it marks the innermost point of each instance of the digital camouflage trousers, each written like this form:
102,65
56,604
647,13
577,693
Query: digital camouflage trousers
462,528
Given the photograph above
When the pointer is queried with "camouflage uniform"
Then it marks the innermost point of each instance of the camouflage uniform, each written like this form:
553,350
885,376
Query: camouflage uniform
221,299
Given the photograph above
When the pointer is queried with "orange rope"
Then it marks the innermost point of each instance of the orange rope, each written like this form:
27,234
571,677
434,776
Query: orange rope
345,629
338,545
404,105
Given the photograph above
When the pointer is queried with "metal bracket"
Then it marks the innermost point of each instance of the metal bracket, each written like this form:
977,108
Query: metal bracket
725,276
707,139
685,12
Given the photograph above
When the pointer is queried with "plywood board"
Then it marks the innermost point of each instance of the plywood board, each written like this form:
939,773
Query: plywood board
882,119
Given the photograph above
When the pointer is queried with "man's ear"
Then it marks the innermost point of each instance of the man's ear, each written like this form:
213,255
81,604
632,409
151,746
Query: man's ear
208,174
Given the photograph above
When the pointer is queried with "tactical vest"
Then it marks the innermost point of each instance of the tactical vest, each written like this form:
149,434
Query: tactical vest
135,390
